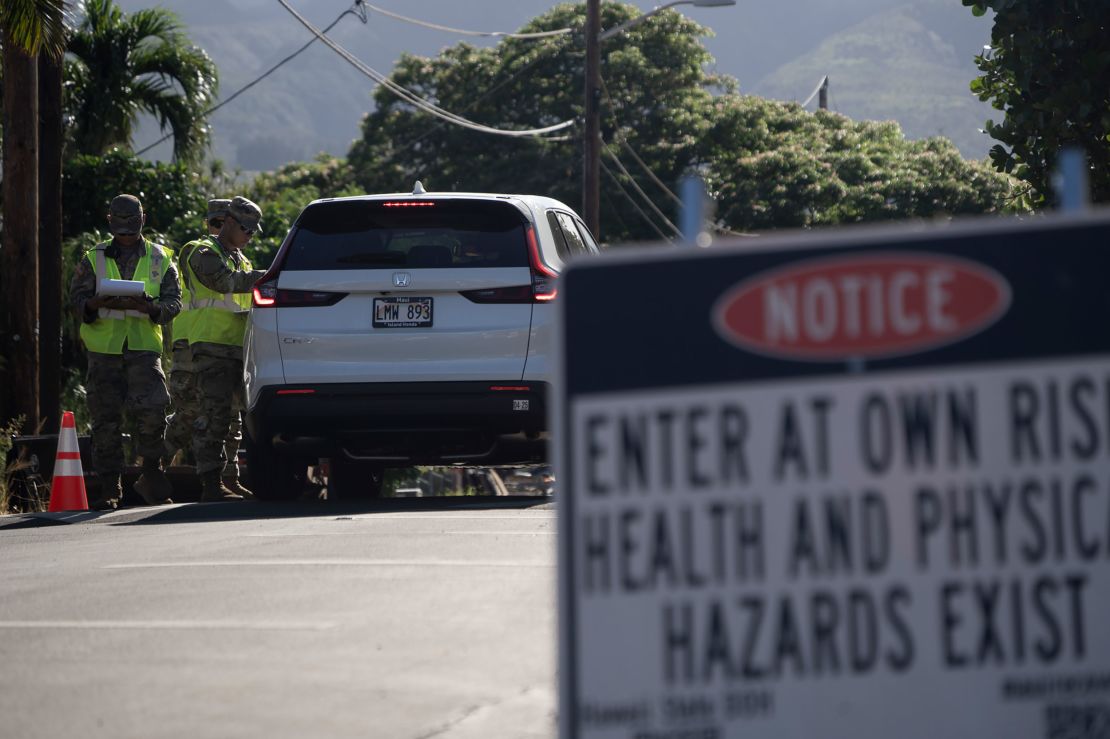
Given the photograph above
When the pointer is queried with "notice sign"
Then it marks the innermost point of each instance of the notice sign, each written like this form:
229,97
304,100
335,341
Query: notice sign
857,486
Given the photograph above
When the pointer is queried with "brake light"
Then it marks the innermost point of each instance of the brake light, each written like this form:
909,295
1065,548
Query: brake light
297,391
269,295
265,294
409,204
544,288
541,290
510,388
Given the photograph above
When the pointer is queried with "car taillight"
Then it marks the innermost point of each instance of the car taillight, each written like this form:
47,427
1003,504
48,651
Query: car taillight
268,295
544,288
265,290
265,294
541,290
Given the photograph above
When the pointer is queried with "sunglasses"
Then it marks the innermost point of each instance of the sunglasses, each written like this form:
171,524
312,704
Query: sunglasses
244,229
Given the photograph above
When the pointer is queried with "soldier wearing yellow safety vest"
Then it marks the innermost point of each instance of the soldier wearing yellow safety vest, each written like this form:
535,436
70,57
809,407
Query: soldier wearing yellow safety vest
183,386
220,279
123,341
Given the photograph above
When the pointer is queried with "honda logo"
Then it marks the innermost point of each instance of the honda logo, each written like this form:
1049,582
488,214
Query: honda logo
401,279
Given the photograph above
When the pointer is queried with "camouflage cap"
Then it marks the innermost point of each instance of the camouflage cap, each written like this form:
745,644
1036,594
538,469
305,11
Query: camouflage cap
217,208
125,215
245,212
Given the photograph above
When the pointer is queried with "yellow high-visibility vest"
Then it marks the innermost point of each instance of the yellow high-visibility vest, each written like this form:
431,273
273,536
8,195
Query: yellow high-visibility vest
221,318
114,329
184,321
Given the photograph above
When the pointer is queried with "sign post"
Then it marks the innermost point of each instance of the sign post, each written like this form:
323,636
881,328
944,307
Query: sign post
854,484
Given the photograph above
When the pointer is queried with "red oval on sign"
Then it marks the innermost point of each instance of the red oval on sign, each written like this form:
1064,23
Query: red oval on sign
862,305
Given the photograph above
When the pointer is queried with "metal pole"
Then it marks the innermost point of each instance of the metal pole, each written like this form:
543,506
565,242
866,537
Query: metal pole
695,212
1070,180
591,142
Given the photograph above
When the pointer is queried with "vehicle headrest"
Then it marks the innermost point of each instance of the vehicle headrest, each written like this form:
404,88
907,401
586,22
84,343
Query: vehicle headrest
429,255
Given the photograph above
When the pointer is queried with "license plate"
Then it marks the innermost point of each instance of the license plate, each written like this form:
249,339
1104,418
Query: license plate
402,312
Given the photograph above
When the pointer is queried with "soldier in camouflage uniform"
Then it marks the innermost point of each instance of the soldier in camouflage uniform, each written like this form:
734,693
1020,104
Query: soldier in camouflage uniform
220,279
183,392
123,341
179,426
182,381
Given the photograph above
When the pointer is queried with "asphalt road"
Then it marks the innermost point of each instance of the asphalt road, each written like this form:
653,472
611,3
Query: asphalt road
409,618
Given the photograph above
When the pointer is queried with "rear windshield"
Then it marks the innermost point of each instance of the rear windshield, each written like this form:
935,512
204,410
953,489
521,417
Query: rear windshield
377,235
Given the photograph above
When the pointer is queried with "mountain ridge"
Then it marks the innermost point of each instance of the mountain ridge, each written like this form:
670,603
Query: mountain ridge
897,65
316,102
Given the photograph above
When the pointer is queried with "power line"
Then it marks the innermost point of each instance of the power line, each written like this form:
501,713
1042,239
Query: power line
356,9
502,34
624,142
412,97
635,186
632,202
392,156
614,210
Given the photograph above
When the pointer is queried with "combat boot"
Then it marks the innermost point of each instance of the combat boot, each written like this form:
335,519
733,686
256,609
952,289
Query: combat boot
213,491
233,484
153,485
110,494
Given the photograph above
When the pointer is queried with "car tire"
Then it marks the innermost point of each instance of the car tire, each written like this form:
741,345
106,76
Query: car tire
351,479
273,476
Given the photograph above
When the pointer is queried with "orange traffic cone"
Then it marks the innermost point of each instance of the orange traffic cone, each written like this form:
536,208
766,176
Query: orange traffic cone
67,491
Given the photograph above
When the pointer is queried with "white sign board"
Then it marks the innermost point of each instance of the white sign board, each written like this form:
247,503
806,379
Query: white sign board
920,549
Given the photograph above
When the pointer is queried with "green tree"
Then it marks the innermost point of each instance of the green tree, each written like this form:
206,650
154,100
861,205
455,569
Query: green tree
122,65
769,164
773,164
657,94
282,195
174,195
1048,70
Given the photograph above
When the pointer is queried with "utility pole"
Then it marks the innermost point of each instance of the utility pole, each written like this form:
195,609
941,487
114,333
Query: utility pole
591,142
51,290
19,266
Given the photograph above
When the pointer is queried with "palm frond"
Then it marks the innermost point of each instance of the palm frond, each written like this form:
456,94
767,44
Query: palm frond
36,26
189,66
157,23
190,133
137,62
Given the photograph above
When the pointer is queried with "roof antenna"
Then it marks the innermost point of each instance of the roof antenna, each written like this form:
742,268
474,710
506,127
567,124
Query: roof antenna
418,189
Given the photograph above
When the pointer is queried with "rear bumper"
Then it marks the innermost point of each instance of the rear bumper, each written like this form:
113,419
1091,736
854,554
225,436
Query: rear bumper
406,422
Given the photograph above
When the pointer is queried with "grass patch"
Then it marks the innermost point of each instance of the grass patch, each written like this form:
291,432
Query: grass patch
7,472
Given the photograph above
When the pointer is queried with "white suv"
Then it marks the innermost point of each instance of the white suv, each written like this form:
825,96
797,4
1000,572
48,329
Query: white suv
404,329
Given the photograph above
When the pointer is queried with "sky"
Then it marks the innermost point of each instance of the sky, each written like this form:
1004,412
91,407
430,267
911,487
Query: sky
752,40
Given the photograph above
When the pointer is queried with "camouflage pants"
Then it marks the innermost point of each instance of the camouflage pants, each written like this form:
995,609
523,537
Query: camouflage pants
219,384
135,381
181,424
